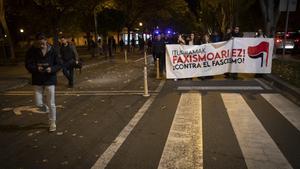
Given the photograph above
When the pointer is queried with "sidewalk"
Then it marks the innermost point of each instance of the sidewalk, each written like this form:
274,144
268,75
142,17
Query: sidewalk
16,75
13,77
288,57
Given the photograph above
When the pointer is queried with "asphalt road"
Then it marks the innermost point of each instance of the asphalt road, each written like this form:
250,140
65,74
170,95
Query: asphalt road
105,122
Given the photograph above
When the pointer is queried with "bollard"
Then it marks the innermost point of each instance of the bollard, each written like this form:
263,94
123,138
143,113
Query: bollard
125,52
146,92
157,69
145,56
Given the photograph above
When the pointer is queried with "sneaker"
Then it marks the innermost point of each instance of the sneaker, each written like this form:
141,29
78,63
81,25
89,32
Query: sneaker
52,126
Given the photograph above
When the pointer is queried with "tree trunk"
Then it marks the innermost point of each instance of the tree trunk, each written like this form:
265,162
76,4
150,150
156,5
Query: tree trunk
223,23
271,15
6,30
128,40
88,39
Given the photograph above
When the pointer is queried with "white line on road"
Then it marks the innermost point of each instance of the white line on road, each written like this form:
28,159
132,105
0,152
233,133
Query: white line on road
83,93
263,84
258,148
184,146
288,109
142,58
104,159
219,88
160,86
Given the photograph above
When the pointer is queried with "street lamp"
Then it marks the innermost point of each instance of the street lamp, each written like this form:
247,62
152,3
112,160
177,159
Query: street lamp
140,24
22,30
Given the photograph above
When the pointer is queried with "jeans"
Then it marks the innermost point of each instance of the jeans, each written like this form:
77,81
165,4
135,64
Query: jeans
49,92
69,73
162,62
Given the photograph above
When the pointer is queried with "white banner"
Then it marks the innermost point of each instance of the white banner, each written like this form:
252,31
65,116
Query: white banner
239,55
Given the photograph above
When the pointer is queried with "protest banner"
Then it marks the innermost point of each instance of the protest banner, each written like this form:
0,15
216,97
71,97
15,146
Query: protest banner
239,55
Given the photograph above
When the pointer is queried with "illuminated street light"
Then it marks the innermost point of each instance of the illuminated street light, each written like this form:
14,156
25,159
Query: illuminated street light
22,30
5,35
140,24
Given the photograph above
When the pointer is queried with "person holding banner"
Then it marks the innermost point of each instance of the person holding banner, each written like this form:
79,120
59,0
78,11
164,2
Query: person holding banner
236,33
260,34
180,40
192,40
206,39
228,35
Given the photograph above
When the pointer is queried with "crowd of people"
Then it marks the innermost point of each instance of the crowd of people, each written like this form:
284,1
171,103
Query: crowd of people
43,61
160,40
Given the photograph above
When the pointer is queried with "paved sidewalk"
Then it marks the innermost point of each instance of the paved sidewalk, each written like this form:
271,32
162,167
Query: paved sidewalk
15,76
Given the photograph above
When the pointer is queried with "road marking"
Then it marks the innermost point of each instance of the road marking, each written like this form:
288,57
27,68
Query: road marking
184,146
263,84
83,93
142,58
28,109
288,109
160,86
258,148
219,88
104,159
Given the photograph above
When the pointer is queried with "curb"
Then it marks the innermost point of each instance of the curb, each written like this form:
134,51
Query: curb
280,84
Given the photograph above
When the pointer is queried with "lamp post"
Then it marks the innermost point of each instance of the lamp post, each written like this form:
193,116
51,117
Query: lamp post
142,34
22,36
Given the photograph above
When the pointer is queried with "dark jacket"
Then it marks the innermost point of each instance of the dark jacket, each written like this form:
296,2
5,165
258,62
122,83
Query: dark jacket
227,36
159,47
239,34
68,55
34,57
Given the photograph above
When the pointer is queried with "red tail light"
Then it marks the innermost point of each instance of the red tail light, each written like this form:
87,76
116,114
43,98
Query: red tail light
296,40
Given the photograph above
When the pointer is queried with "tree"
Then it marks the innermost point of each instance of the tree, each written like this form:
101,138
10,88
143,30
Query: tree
216,14
152,13
174,14
110,20
271,14
5,28
86,15
54,11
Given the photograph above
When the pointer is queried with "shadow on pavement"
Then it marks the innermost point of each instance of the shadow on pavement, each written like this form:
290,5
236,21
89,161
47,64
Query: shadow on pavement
14,128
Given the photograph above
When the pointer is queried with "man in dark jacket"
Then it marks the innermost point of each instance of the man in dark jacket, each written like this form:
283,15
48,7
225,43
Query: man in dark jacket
69,57
43,63
159,46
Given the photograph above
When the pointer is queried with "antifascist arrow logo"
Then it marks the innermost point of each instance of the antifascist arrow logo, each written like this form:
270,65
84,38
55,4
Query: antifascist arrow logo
255,52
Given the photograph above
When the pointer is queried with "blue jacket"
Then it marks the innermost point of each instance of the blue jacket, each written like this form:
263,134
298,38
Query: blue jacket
34,57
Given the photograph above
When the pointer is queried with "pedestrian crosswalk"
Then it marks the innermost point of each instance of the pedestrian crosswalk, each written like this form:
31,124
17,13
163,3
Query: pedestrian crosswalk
259,145
183,148
289,110
258,148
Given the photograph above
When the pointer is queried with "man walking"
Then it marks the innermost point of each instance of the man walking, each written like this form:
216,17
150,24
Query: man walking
69,57
43,63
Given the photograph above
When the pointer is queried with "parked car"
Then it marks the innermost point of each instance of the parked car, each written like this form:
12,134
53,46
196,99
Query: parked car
292,43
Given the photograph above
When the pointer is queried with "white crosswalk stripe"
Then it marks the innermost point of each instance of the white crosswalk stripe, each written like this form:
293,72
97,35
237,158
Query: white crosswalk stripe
183,148
258,148
184,145
288,109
